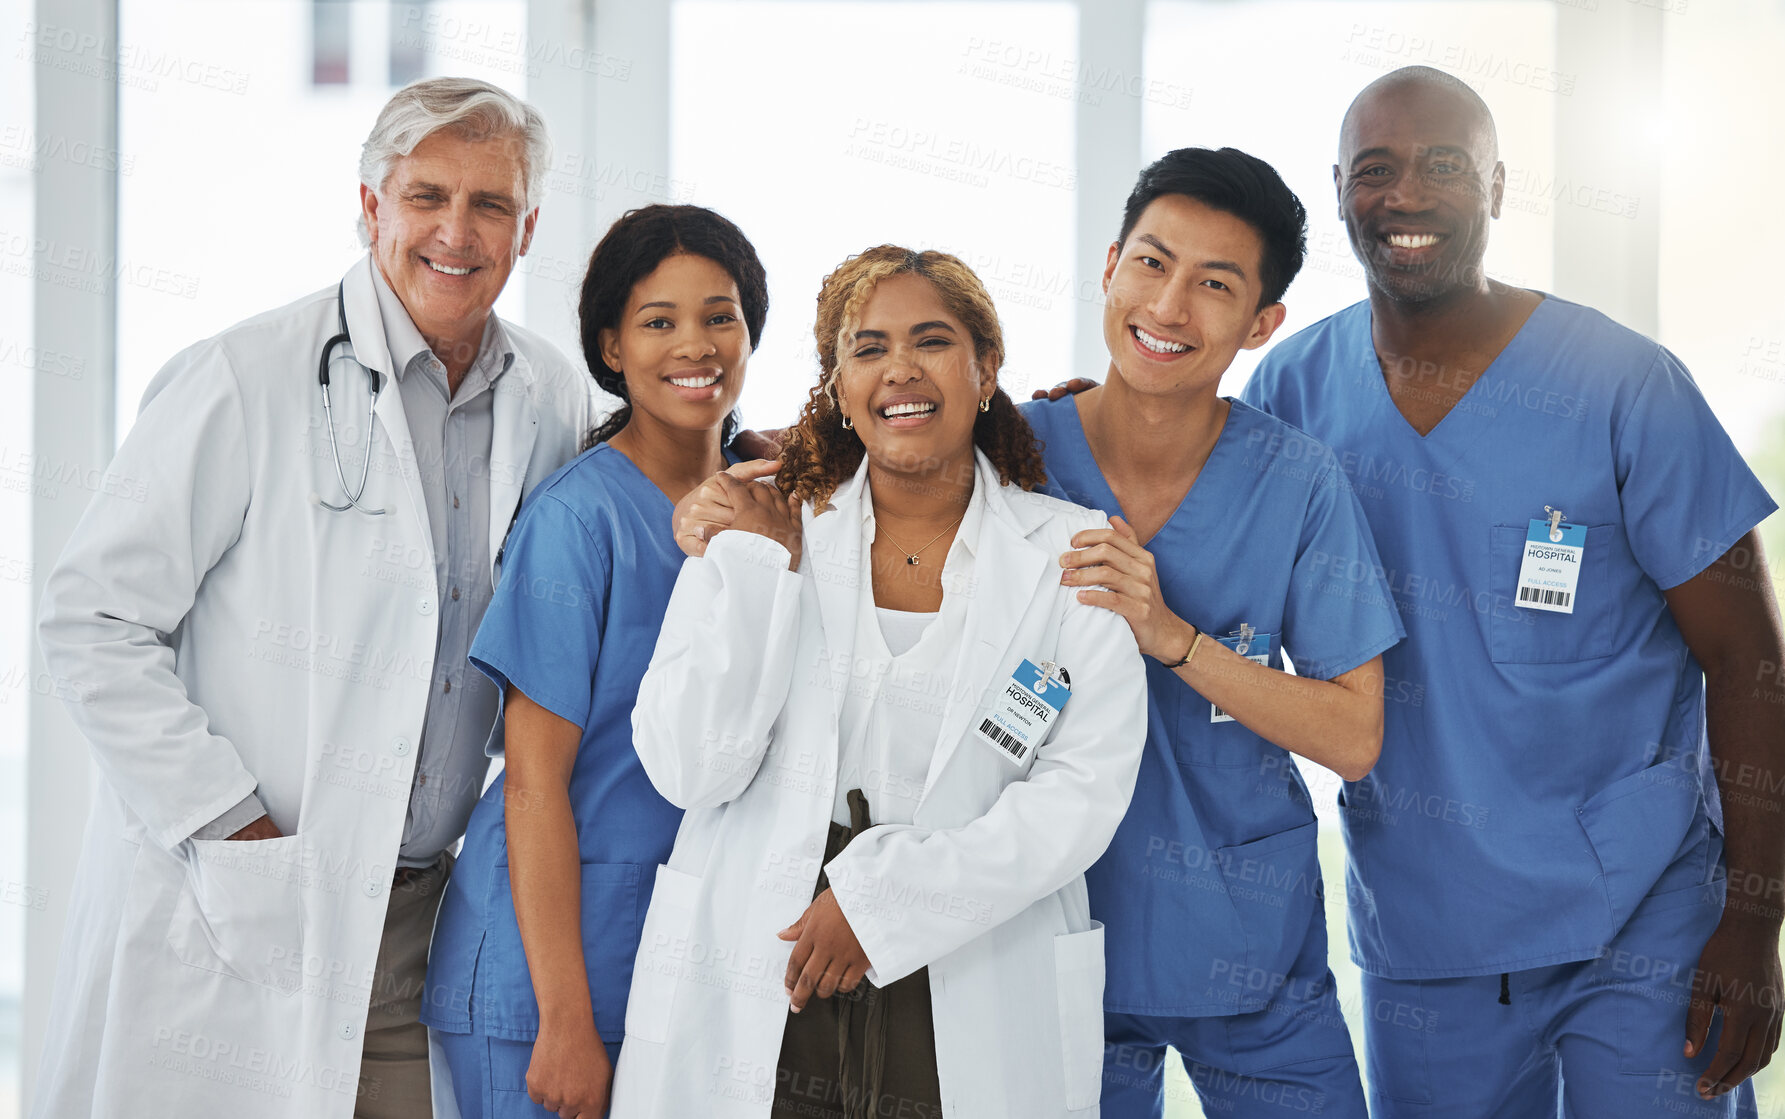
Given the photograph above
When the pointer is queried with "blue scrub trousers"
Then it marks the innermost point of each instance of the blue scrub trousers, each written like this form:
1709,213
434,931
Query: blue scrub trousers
1292,1058
489,1075
1598,1039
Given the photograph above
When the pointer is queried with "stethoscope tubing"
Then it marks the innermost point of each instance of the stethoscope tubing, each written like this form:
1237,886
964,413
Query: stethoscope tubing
322,380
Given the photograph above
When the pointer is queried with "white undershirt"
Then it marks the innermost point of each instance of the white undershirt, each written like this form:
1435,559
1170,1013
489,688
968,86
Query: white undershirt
900,629
900,679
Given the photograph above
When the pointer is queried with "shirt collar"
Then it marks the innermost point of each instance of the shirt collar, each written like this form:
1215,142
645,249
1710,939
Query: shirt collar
967,536
495,353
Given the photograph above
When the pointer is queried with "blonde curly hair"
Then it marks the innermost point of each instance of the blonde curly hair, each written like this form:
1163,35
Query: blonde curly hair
818,453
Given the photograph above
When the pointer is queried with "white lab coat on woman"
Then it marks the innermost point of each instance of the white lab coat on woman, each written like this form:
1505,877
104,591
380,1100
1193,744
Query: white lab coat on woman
225,634
737,722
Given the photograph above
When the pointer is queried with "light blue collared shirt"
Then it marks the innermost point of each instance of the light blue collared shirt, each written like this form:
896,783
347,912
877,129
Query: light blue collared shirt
452,434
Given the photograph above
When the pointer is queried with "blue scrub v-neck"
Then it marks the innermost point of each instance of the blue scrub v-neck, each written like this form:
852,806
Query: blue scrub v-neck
1092,484
1473,412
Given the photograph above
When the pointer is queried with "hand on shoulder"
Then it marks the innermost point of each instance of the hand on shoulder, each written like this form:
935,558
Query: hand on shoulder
738,498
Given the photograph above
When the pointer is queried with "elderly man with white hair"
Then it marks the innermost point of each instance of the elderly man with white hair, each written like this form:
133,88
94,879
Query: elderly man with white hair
271,633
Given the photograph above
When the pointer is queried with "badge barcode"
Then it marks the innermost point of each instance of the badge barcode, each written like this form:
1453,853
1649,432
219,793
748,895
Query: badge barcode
1547,598
1016,747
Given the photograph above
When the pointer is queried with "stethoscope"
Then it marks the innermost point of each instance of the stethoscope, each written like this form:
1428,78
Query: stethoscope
328,412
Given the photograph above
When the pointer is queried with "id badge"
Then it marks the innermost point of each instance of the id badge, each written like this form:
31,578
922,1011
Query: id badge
1253,646
1550,574
1024,708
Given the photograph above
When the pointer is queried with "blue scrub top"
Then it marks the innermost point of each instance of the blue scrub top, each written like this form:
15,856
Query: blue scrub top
1212,882
1554,763
589,569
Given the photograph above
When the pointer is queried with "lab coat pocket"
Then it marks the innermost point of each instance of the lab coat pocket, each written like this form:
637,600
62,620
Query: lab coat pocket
1078,984
240,910
1637,825
1518,635
663,948
1274,884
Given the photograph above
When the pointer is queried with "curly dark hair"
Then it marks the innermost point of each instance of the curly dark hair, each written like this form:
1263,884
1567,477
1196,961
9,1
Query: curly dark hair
631,250
818,453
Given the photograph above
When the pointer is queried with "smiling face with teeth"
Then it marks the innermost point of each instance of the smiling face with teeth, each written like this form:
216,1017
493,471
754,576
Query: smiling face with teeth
910,381
681,345
1419,180
446,228
1181,297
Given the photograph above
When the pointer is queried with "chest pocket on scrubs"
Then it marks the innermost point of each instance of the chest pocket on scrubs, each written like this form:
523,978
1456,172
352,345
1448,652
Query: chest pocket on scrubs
1520,636
1223,745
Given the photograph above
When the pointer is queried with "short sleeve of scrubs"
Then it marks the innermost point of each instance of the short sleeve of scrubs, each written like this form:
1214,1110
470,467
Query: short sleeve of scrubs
1686,494
1339,613
542,631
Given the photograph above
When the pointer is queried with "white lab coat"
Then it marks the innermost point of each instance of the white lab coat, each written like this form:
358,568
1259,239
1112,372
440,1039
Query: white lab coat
737,722
224,635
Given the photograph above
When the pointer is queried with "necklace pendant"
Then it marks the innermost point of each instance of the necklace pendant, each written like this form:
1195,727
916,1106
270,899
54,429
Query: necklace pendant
912,560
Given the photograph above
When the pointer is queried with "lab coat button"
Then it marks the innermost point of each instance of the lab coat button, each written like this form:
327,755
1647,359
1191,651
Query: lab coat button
373,887
426,606
348,1031
400,747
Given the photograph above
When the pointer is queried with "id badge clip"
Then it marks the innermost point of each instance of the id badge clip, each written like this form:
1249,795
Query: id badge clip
1249,643
1024,708
1549,576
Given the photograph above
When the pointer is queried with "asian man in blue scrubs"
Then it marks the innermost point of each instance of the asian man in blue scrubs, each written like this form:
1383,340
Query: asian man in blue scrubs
1540,860
1230,526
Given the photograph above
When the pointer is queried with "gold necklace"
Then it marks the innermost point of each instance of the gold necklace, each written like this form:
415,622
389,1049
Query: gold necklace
911,557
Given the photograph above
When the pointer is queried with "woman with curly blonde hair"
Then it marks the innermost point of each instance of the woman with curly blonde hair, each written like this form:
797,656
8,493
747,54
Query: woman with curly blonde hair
820,451
876,901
